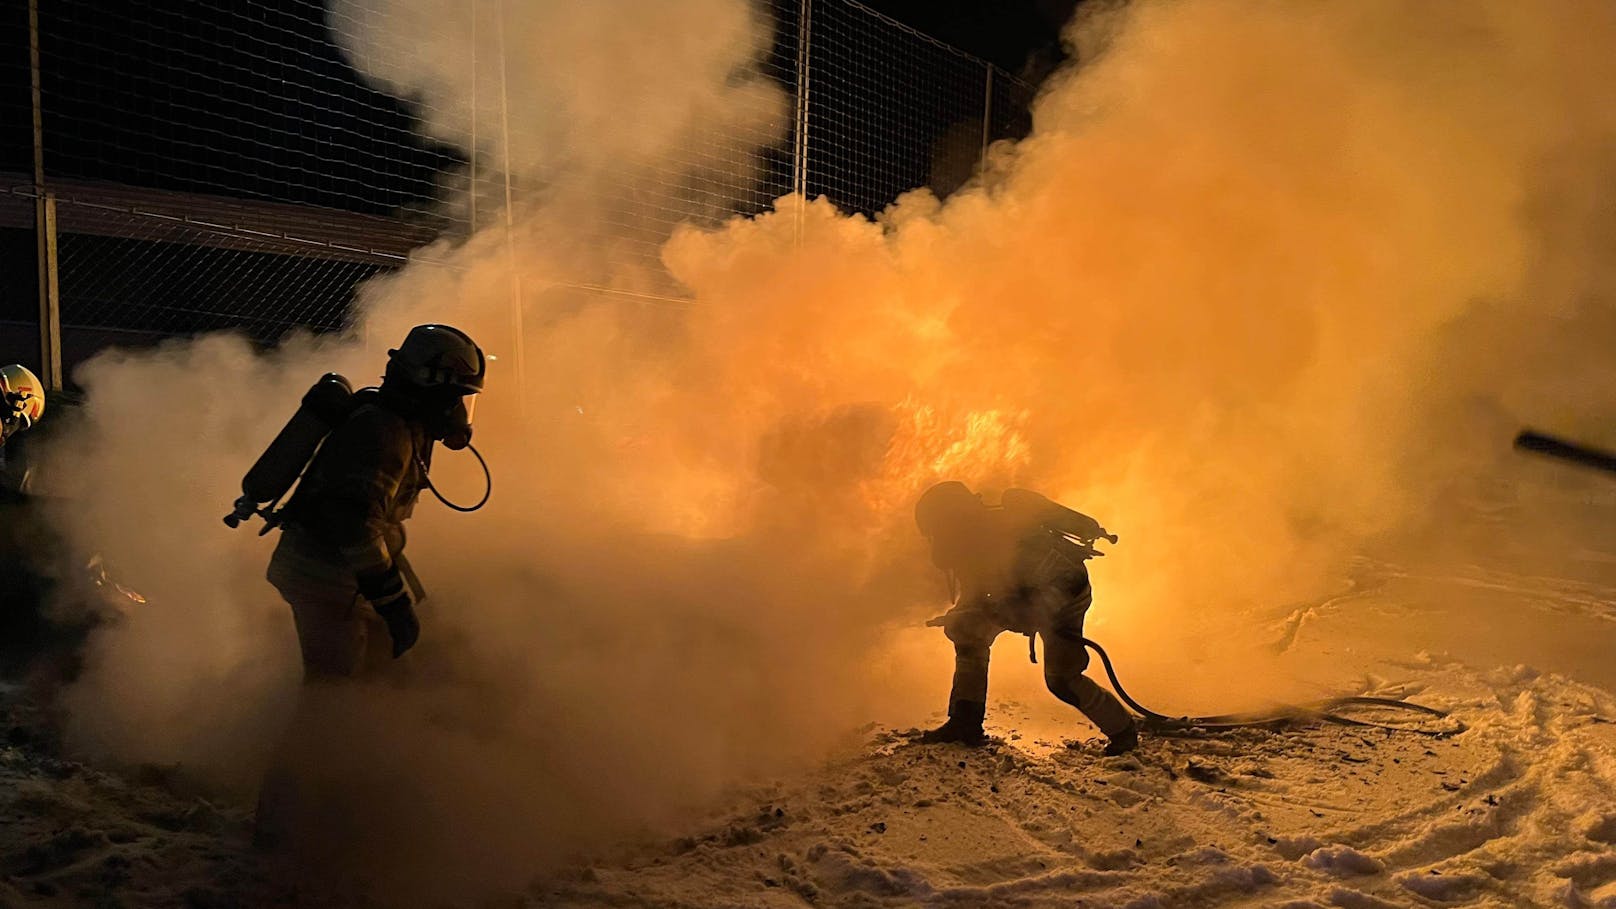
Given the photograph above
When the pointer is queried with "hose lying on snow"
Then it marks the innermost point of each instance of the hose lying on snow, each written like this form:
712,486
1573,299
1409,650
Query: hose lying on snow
1325,711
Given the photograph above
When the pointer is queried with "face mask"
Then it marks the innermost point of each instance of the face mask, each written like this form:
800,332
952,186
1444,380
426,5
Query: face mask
12,418
456,426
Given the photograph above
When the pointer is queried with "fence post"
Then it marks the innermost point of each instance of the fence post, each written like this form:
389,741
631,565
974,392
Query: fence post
799,160
518,329
471,157
987,119
50,309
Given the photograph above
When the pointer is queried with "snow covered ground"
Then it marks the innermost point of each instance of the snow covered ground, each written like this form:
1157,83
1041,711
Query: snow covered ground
1516,811
1519,809
71,835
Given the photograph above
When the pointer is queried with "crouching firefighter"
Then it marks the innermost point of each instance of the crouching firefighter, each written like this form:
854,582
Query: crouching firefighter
1017,567
343,539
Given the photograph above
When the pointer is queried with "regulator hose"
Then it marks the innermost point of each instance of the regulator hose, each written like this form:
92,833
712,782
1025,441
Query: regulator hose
1318,711
488,480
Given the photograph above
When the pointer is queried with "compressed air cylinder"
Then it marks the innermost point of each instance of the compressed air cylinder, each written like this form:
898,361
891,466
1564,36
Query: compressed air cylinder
326,404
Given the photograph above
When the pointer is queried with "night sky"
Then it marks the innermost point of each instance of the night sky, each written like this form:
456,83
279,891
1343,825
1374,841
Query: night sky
254,98
1022,36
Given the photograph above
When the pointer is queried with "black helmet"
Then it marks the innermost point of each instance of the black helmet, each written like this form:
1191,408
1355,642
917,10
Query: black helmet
944,505
439,356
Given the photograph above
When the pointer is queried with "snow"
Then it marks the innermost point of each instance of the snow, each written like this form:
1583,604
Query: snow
1507,813
1519,809
1343,861
77,836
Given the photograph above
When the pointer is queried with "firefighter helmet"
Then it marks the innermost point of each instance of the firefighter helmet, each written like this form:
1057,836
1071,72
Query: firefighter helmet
439,356
945,505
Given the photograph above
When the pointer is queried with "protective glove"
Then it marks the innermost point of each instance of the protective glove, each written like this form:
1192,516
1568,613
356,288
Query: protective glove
392,600
402,626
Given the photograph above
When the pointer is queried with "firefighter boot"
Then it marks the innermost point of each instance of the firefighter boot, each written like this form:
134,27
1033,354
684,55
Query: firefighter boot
1124,741
964,726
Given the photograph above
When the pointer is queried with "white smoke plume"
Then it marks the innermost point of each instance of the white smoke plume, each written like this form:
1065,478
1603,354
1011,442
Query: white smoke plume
1263,286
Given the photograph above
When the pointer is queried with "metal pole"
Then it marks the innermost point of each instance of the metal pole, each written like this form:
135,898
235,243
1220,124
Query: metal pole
471,151
799,157
519,342
987,118
50,309
805,26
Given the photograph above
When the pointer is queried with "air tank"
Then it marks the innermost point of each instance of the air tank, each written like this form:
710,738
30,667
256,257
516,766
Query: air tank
325,405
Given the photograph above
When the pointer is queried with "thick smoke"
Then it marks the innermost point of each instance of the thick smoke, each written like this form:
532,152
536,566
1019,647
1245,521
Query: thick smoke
1261,285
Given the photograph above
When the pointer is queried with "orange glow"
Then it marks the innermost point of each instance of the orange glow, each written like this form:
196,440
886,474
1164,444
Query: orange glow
1260,288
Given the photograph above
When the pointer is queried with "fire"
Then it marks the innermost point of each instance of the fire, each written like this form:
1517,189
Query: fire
980,446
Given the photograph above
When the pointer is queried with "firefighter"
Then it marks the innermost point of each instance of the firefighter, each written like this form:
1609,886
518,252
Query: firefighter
22,403
22,400
343,540
27,548
1017,567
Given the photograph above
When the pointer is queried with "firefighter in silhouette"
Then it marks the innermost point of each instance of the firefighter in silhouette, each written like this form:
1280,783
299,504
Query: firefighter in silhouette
22,400
343,540
1017,567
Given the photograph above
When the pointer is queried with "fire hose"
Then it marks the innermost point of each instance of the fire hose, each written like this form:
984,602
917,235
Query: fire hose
1326,711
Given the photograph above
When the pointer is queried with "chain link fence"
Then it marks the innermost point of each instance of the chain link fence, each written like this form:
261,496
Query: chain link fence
891,109
223,166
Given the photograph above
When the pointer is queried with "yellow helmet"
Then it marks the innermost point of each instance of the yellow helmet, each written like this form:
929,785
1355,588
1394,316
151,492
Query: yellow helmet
22,398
